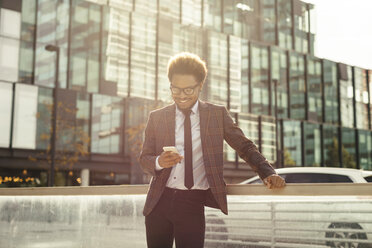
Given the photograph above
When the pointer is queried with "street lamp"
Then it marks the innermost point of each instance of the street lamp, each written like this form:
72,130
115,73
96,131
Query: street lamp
53,48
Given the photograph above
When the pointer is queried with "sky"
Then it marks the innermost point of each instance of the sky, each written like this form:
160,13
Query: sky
344,31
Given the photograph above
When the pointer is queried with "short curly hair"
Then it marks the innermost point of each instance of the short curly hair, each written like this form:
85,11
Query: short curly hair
186,63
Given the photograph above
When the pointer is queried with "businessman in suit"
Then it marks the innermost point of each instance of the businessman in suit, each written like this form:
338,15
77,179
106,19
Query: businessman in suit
184,182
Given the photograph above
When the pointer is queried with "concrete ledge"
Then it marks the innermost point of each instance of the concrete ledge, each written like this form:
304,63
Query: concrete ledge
319,189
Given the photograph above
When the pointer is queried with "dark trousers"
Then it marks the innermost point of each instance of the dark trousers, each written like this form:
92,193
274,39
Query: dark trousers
178,215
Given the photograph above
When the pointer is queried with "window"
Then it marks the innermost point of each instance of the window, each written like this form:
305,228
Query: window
331,146
212,14
217,68
260,79
9,51
312,143
10,23
330,92
235,70
314,90
25,111
6,92
285,23
191,12
292,148
268,138
170,9
315,178
368,179
346,95
297,86
279,81
348,148
107,116
365,149
361,98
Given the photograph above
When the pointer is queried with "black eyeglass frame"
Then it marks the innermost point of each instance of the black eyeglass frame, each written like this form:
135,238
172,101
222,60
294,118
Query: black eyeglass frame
177,90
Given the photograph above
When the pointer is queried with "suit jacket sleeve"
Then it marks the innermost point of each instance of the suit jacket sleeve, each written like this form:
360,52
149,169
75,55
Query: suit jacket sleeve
245,148
148,154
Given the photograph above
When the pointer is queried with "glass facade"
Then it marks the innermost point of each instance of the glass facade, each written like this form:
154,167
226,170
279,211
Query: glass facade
143,56
245,91
346,95
301,26
292,145
285,24
268,138
113,71
331,90
260,79
217,68
348,149
361,98
312,144
314,90
107,121
365,149
115,52
331,143
235,65
279,88
297,89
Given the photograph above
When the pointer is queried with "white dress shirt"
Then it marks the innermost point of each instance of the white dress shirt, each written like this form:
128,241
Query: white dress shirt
176,179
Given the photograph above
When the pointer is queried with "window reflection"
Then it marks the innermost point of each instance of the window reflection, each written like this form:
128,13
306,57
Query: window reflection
365,149
301,26
234,72
260,79
269,21
297,86
361,98
6,96
348,148
268,138
330,92
292,148
331,146
84,49
142,83
279,81
106,124
191,12
217,68
170,9
314,89
115,43
312,143
244,76
242,18
212,14
285,23
346,95
52,28
249,125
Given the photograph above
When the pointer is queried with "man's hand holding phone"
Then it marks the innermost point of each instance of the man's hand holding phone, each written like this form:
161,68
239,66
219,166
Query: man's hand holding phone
169,157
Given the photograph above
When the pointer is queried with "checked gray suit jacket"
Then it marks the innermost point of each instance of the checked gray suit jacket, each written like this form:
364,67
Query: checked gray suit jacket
216,125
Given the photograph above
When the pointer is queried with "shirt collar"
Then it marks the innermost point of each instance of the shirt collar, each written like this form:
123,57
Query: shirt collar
194,109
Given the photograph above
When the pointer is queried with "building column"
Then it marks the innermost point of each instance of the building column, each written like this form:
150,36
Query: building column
84,177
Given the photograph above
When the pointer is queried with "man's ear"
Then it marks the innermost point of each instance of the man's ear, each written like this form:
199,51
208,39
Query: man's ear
201,85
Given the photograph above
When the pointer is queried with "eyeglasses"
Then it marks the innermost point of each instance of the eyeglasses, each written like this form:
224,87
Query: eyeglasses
187,91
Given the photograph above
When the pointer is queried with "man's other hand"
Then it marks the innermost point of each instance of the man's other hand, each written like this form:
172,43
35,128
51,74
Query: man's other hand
169,159
274,182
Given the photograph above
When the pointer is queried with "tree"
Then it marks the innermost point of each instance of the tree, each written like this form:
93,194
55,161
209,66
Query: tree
333,156
72,138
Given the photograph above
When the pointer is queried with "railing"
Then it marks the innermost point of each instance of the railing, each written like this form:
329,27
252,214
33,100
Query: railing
300,215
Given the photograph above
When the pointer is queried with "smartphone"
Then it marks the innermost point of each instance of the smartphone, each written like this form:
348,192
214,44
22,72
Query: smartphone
170,149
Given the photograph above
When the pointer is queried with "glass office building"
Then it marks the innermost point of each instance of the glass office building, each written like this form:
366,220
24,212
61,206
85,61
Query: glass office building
300,110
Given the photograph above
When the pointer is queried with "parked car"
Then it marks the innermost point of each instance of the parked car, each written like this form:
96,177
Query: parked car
319,175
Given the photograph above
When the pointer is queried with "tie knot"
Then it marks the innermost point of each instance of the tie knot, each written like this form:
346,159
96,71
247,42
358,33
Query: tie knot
186,112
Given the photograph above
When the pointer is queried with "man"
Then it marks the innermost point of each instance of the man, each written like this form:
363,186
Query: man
186,180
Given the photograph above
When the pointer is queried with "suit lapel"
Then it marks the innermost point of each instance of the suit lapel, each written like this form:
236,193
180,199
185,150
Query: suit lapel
170,122
204,121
